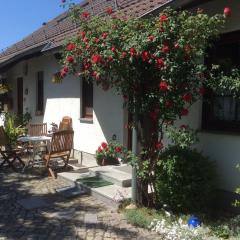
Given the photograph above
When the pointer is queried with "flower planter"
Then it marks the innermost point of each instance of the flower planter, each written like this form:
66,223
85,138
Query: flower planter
107,161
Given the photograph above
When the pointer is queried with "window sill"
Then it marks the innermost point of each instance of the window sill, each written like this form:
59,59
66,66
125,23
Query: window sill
220,132
86,120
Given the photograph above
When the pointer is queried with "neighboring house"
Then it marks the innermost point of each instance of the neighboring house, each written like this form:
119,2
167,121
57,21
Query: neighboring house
97,115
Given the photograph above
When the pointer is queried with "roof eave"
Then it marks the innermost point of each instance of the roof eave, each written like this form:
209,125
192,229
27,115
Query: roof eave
24,55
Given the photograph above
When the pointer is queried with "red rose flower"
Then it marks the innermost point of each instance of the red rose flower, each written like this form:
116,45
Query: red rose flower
187,48
82,34
123,55
187,97
97,76
154,115
162,29
145,56
151,38
66,69
96,59
79,52
71,46
109,10
184,112
163,86
118,149
176,46
202,91
163,18
99,149
85,14
113,49
184,126
70,59
160,62
104,35
63,74
104,145
165,49
97,40
87,66
85,40
227,12
158,145
132,51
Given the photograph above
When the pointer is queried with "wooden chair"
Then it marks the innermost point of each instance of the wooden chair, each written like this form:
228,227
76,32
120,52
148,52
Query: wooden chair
60,147
38,129
65,124
8,153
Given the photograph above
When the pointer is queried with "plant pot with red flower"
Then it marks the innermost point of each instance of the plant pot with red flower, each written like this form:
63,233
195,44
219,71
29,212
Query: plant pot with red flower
109,154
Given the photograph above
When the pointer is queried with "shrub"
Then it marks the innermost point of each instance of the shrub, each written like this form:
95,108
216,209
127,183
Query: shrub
237,202
12,129
184,137
184,179
141,217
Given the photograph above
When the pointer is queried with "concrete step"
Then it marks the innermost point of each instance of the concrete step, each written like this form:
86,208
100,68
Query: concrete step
72,177
114,174
110,195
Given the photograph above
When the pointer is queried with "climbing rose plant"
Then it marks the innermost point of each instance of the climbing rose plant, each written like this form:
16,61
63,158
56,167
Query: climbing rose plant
154,63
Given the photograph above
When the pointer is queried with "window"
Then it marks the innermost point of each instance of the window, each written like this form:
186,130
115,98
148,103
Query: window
87,100
39,94
222,113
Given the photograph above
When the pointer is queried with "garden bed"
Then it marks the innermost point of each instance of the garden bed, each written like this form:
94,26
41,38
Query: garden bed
175,227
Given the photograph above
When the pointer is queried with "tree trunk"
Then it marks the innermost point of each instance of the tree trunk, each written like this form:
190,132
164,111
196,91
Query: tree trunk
148,137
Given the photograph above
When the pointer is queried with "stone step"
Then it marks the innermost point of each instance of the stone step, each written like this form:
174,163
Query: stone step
110,195
114,174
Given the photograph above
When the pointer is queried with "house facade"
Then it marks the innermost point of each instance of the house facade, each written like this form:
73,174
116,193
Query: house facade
30,66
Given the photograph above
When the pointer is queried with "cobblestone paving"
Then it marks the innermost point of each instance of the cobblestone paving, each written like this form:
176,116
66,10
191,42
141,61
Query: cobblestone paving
82,217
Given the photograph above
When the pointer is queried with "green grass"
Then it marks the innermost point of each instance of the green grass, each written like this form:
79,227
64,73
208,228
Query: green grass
94,182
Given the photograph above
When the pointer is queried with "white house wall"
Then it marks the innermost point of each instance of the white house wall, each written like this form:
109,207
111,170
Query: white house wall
65,100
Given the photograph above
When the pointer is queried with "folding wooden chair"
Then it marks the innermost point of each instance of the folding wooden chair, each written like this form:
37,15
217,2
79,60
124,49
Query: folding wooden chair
65,124
60,147
8,153
38,129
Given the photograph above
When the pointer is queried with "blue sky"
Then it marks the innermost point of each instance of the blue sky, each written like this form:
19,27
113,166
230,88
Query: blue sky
19,18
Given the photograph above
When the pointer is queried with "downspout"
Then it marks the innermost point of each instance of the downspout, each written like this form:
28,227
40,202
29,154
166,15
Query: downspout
134,171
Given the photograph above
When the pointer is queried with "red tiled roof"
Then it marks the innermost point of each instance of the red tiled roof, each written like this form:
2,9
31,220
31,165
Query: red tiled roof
62,26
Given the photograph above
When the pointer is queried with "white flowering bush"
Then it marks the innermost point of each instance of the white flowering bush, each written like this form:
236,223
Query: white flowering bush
176,229
171,228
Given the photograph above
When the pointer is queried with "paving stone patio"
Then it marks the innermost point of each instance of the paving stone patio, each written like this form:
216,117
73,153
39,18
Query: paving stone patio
30,208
